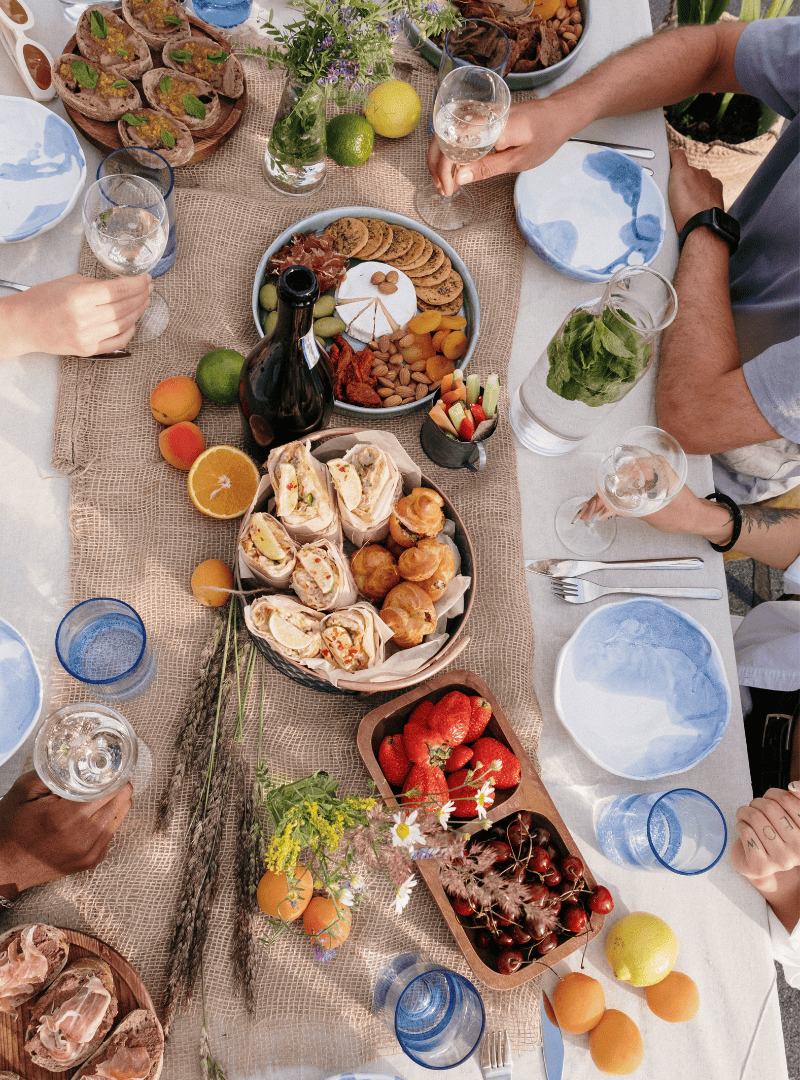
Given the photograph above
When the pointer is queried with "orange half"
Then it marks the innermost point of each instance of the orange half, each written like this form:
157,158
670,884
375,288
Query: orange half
223,482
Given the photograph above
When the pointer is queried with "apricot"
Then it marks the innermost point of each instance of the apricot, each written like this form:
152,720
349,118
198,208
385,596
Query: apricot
675,999
615,1044
425,322
175,400
180,444
579,1003
453,322
283,896
328,924
438,366
455,344
211,581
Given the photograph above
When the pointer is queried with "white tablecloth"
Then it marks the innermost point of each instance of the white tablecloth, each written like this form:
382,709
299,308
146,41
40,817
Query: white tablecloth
720,921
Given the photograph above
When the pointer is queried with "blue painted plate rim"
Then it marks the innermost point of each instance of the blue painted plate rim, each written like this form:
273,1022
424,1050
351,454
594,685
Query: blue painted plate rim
363,1076
562,658
565,268
14,633
79,185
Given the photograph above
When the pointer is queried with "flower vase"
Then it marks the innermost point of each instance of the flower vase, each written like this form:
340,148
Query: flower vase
294,162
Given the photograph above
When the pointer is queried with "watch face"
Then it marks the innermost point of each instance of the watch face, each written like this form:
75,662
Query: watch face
726,226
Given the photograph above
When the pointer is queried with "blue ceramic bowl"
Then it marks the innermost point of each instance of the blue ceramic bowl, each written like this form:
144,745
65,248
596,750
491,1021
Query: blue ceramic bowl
589,211
20,690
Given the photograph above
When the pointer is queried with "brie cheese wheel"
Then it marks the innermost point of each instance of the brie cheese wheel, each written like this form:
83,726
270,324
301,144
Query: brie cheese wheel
375,313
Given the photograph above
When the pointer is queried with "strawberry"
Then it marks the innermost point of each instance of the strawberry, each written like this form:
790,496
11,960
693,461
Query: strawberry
451,717
430,786
489,750
421,713
463,793
423,746
478,415
466,429
481,714
394,760
459,757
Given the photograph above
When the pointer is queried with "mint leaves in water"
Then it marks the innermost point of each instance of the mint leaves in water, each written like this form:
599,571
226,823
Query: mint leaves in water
596,357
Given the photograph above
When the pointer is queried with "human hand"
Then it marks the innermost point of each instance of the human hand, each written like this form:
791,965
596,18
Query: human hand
74,316
690,190
769,835
533,133
44,837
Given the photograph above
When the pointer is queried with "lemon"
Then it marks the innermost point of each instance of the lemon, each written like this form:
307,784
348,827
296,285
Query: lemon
347,481
641,949
217,375
262,537
393,108
350,139
286,634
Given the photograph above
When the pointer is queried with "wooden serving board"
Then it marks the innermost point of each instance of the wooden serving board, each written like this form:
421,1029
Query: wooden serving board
131,994
104,134
529,794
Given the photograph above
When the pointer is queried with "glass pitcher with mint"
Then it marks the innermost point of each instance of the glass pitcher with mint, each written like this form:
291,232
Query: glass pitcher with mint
599,353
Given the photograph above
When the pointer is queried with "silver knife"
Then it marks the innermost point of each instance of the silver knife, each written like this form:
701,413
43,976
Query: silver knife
14,285
631,151
560,568
552,1043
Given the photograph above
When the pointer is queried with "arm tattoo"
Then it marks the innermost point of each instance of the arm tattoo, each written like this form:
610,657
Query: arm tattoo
756,516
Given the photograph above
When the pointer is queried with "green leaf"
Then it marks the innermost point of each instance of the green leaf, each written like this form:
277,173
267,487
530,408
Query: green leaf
120,84
180,56
173,19
106,214
122,52
98,25
134,121
83,74
167,138
194,106
221,56
165,85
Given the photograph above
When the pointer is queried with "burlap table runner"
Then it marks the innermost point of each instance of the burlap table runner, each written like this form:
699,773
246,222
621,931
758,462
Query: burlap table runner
135,535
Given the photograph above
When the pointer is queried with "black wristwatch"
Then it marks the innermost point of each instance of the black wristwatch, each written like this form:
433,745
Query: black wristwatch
720,223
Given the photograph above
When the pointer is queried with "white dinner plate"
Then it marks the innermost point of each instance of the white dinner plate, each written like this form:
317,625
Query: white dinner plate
641,688
42,169
588,211
20,690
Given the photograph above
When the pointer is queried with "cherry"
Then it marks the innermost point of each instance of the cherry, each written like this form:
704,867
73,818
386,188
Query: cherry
501,851
520,935
540,837
551,851
463,907
572,868
554,903
573,918
547,944
601,901
538,894
537,925
517,834
484,940
518,873
509,961
504,939
505,922
539,861
552,877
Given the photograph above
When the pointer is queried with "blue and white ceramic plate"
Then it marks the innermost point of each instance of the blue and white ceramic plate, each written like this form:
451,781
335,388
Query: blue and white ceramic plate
641,688
587,212
20,690
42,169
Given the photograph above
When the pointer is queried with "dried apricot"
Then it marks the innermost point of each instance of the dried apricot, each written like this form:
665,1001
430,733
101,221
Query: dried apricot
453,322
438,366
425,322
455,345
438,338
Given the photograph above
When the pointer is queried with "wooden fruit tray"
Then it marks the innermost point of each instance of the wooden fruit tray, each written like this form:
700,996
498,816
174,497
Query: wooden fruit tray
131,994
104,134
530,794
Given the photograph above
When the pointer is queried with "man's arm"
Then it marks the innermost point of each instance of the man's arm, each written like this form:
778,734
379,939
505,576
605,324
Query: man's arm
660,70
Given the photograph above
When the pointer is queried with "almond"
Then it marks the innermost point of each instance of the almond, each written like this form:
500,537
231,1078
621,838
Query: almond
384,380
418,365
392,349
378,277
404,342
422,390
380,369
384,343
384,391
392,276
387,287
390,402
404,376
420,377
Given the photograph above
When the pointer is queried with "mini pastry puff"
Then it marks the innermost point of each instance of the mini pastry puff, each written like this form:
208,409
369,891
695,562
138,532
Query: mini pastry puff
409,612
375,571
416,515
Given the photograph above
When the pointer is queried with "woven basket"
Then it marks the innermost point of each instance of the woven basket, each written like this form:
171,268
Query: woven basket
446,655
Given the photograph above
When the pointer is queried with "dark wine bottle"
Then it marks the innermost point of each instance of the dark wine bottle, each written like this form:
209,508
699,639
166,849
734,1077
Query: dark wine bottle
285,389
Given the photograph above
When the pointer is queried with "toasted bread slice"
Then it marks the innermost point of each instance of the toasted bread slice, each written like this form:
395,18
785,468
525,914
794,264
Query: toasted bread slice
91,90
166,21
110,44
191,101
204,58
31,956
138,1041
168,137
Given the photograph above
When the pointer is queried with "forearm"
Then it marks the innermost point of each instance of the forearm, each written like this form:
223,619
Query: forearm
18,335
782,893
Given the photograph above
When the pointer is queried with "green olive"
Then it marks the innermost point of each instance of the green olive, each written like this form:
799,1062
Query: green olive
324,306
268,297
323,344
270,322
329,327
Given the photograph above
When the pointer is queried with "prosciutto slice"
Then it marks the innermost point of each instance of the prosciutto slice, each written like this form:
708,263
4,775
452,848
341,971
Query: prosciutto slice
128,1063
76,1022
22,969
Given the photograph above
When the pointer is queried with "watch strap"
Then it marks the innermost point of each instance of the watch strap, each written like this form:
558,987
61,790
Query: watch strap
736,518
720,223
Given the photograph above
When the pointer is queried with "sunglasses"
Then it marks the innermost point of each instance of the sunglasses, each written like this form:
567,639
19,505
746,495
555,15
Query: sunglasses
32,60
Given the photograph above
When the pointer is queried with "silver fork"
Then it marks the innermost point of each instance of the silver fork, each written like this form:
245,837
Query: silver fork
581,591
496,1056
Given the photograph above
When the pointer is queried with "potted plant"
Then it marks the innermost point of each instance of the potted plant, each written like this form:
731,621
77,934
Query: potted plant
728,134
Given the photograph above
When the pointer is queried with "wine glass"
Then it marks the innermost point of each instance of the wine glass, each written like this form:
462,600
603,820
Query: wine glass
469,115
639,475
126,224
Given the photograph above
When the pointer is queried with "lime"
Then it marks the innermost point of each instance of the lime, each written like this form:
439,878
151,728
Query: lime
641,949
393,108
350,139
217,375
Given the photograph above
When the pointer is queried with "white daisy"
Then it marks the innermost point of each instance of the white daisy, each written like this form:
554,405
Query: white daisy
404,894
445,812
485,794
404,832
346,897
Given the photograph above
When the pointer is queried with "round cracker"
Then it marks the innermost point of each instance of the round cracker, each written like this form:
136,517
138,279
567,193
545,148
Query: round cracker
444,292
452,308
412,255
401,242
349,235
376,238
433,266
424,255
388,236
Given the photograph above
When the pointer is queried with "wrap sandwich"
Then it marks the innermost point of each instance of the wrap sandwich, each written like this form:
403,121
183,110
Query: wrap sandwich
322,577
303,494
352,638
267,550
368,484
286,625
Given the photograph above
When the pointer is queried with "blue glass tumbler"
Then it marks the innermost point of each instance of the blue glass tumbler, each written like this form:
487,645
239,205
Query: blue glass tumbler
222,12
103,644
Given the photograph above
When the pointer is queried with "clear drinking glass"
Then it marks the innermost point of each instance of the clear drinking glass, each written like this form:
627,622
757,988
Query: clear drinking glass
126,225
436,1014
469,114
73,9
141,161
85,752
681,830
602,349
103,644
639,475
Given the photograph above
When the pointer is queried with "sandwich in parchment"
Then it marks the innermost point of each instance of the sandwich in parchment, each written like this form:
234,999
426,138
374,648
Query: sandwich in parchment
268,550
287,625
303,494
134,1051
31,956
322,577
368,484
